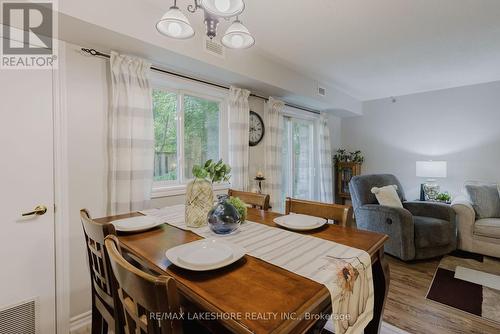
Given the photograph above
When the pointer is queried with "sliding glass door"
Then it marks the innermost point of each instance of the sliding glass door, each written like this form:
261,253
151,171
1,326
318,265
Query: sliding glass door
299,158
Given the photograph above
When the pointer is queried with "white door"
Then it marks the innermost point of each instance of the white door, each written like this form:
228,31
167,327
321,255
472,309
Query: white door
27,264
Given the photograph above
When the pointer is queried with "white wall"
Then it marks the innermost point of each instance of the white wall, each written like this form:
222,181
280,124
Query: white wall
459,125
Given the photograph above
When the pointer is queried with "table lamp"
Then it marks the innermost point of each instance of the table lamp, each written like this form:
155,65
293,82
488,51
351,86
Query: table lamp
430,170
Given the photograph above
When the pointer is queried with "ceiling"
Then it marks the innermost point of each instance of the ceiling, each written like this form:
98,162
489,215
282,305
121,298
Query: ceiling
373,49
379,48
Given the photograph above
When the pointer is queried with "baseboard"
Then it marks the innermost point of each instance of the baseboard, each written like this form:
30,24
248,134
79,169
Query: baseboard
81,323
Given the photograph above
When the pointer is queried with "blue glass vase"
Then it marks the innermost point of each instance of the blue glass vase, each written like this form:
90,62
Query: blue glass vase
223,218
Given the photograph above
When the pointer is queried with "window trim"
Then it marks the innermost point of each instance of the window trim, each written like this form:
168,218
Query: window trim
182,88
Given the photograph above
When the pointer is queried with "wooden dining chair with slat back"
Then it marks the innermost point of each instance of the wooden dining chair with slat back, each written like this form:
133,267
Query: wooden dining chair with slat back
260,201
104,313
341,214
149,302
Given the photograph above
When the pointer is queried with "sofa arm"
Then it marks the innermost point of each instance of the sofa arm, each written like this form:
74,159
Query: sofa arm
431,209
466,218
397,223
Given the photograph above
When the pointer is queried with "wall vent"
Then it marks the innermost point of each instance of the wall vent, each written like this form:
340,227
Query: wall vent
321,91
20,318
214,48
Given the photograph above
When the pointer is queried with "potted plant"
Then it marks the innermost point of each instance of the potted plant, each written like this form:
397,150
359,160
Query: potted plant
199,192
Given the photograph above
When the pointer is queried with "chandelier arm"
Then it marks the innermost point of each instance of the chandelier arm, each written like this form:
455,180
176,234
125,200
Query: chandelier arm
192,8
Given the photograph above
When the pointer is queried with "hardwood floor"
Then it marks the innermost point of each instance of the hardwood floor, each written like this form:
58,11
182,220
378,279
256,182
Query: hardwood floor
407,308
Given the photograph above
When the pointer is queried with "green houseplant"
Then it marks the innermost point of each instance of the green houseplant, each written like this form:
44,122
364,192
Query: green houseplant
240,206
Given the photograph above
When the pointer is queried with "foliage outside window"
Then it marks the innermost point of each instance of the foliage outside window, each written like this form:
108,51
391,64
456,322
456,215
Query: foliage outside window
187,133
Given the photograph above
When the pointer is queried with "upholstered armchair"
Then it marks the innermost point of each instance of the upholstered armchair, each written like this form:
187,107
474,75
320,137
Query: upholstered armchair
419,230
476,235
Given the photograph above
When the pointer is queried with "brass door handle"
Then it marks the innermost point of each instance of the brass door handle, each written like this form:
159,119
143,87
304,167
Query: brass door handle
38,210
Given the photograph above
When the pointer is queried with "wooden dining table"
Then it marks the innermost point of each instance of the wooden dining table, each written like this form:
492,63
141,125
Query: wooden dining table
251,295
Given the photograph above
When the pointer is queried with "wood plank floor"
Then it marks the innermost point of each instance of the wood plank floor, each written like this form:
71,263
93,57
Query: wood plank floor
408,309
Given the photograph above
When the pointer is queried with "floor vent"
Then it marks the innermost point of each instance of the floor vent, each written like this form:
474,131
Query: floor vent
19,318
214,48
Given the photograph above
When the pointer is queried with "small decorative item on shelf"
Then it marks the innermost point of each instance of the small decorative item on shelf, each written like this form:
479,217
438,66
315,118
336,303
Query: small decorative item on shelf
259,178
444,197
199,192
347,165
224,218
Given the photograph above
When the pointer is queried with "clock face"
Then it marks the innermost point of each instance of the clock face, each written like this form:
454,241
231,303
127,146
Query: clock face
256,128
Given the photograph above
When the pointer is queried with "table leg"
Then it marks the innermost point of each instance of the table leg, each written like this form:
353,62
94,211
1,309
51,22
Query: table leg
381,276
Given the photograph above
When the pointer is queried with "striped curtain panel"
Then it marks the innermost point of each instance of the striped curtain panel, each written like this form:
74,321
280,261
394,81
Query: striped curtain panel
273,139
239,118
325,161
130,135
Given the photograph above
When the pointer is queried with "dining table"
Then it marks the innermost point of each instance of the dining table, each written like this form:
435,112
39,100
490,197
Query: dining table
251,295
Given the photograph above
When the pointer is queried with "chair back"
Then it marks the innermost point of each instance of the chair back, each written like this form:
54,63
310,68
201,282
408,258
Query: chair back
260,201
98,262
341,214
360,188
144,296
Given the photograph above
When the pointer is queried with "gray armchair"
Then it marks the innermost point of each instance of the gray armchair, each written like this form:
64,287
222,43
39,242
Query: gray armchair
420,230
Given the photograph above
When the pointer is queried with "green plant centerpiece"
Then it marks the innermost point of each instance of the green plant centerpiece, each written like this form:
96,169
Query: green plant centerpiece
240,206
199,192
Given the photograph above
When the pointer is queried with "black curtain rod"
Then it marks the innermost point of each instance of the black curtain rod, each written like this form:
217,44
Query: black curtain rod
94,52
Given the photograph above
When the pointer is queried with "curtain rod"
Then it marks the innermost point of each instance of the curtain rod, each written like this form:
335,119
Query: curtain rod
96,53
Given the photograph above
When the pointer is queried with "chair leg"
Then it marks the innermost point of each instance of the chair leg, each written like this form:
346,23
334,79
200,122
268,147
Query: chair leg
97,321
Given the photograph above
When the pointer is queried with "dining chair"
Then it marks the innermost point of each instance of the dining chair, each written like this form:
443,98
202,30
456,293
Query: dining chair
260,201
103,300
143,296
341,214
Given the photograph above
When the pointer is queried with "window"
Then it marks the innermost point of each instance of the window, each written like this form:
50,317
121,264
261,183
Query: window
299,158
188,131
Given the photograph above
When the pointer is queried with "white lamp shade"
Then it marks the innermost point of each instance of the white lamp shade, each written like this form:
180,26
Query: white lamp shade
223,8
431,169
237,36
175,24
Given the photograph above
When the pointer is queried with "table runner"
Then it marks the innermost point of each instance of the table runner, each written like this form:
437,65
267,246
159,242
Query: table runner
345,271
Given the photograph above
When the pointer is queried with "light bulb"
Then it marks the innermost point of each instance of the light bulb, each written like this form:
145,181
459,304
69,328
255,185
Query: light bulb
222,5
174,29
237,41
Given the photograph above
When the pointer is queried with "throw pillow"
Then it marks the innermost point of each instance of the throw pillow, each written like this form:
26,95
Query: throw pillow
485,199
388,196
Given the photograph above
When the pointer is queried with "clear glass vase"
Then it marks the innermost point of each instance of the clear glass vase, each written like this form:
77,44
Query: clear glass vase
199,201
224,218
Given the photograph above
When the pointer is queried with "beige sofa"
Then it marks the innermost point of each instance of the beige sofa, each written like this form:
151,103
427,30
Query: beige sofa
478,236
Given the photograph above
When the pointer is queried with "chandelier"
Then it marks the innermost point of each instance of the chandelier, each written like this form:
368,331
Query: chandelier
176,25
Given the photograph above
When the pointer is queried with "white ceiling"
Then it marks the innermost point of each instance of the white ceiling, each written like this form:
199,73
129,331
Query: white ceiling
378,48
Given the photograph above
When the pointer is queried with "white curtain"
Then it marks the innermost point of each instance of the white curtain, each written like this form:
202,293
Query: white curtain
130,135
273,140
325,161
239,115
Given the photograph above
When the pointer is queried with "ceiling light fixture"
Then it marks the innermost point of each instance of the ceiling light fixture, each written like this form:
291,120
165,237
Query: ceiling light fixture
176,25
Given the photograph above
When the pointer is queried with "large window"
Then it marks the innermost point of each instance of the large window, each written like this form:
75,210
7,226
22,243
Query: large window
299,158
188,132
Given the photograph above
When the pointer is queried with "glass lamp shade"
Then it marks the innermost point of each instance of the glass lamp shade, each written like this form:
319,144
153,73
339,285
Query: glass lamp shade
175,24
237,36
223,8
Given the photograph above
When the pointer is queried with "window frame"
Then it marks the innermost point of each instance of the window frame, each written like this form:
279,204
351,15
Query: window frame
183,87
294,113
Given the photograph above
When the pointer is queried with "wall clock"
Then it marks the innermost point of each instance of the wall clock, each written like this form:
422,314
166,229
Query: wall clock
257,129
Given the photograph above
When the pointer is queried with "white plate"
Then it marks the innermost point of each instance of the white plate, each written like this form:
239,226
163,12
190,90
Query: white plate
206,254
300,222
135,224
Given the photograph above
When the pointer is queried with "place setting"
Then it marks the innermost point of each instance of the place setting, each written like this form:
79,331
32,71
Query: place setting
300,222
136,224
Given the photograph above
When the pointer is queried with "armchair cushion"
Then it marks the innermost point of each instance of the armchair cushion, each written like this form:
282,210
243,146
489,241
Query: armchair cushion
430,209
387,196
488,227
485,199
433,232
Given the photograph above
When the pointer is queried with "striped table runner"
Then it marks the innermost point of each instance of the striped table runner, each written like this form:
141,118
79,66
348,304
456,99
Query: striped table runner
344,270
